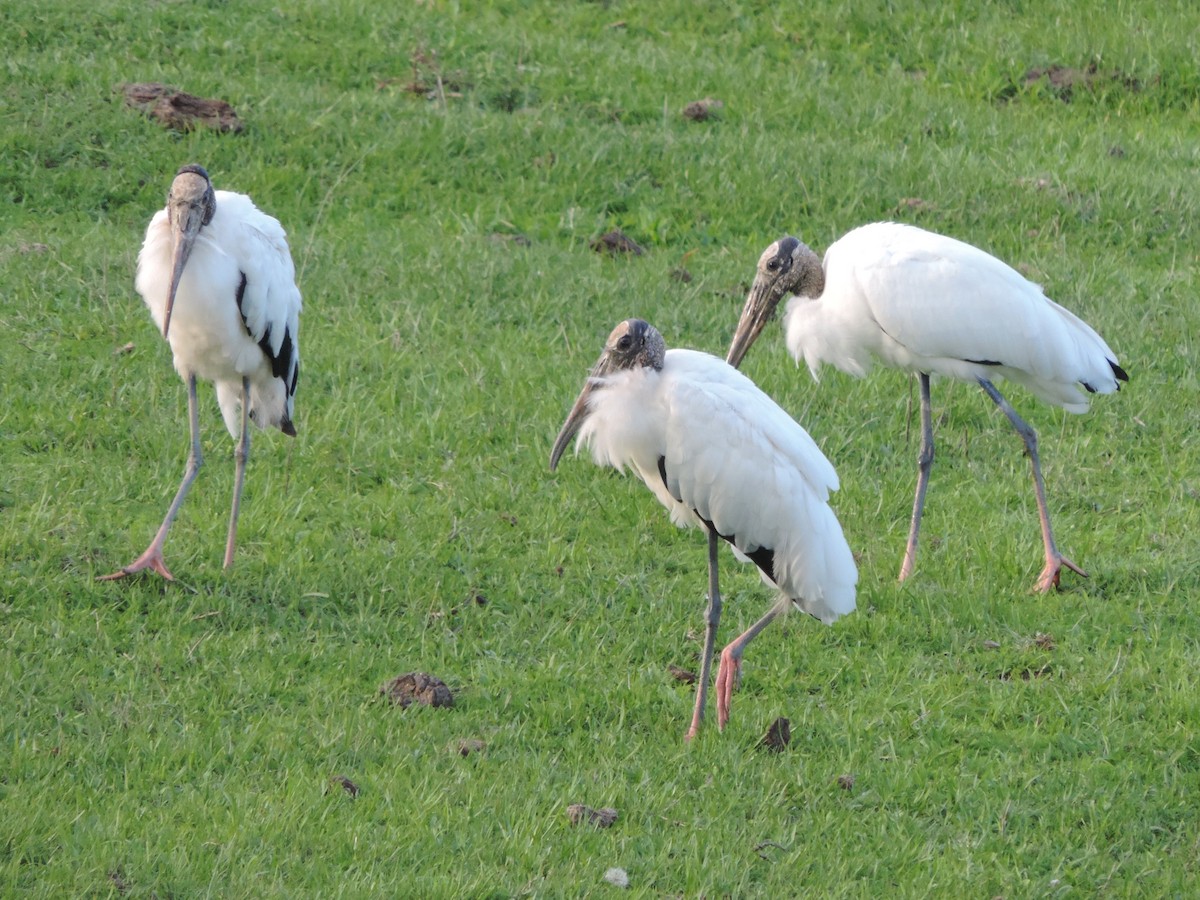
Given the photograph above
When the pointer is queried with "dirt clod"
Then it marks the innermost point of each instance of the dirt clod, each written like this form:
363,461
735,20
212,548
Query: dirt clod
778,736
417,687
345,784
681,674
615,243
845,782
467,746
179,110
1045,641
602,818
702,110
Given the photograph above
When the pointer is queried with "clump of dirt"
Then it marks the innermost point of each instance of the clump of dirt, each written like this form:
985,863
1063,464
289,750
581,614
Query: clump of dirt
180,110
417,687
345,784
682,275
1064,81
616,243
1045,641
467,746
577,813
845,782
778,736
681,674
703,110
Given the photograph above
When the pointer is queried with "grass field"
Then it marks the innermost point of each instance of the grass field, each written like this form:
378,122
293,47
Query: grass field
441,169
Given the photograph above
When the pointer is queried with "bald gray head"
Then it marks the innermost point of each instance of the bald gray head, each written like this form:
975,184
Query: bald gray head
191,205
633,344
786,267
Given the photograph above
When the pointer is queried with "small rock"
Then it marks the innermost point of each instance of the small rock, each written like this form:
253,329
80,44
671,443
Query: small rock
778,736
601,818
991,645
417,687
845,782
617,876
120,351
347,785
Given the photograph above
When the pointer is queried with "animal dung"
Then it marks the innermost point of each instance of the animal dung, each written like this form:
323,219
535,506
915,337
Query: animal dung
601,818
417,687
180,110
778,736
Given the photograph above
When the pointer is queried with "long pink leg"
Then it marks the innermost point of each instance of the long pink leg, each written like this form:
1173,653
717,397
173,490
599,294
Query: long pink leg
712,618
924,465
730,670
1054,560
152,558
241,453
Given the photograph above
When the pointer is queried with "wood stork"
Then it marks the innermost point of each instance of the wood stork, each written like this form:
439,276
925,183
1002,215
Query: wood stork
719,454
219,280
929,304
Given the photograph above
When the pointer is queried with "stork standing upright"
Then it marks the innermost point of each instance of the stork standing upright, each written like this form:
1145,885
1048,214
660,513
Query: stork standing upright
720,455
928,304
219,280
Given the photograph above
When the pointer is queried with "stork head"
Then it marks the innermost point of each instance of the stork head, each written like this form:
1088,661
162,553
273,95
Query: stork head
786,267
633,344
190,206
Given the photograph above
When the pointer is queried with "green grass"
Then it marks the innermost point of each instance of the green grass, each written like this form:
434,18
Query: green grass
179,740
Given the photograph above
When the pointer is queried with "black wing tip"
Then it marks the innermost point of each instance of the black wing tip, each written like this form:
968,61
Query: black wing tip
1120,373
287,427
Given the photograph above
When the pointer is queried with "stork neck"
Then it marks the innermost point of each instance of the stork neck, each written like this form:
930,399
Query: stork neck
812,275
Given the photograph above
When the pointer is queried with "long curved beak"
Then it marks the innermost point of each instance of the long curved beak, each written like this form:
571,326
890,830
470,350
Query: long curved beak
186,221
575,420
758,311
579,411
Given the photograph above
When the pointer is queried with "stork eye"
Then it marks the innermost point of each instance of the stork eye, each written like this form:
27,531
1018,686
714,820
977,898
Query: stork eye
773,265
625,342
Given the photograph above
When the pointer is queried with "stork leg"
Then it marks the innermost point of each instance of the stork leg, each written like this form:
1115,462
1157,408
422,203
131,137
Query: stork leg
241,453
1054,560
924,465
729,672
712,617
152,558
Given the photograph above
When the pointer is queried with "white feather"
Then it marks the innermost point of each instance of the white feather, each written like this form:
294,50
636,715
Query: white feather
923,302
732,456
208,336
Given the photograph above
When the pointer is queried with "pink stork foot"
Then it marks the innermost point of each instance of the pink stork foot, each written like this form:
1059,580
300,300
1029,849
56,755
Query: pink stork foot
729,676
151,559
1050,574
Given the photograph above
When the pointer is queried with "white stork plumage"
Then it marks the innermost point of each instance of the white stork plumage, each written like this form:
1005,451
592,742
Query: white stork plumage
720,455
219,280
931,305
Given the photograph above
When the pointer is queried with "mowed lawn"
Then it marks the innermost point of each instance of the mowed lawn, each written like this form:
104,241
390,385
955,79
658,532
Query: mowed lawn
443,170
